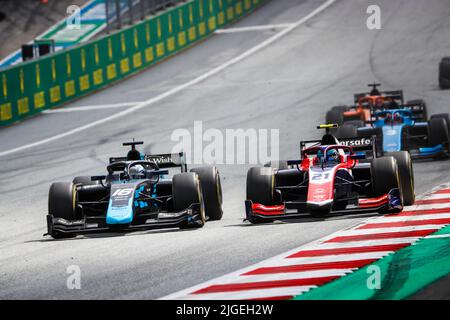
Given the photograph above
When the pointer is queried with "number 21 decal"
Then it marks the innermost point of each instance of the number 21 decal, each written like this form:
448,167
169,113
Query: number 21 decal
320,176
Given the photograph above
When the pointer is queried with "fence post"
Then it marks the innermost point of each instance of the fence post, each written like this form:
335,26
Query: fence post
118,15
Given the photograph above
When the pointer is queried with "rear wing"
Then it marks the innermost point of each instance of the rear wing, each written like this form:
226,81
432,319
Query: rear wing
166,160
365,145
394,95
418,111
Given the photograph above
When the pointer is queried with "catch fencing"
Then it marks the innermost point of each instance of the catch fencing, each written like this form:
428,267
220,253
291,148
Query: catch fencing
31,87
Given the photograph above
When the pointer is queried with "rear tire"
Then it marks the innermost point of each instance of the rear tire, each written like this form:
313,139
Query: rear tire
335,117
61,204
346,131
280,164
340,108
405,169
186,191
355,123
212,191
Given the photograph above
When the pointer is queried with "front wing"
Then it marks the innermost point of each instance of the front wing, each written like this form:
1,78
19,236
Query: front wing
161,220
388,202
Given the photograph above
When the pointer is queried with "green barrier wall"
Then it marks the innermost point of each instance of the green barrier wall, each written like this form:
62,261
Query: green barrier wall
34,86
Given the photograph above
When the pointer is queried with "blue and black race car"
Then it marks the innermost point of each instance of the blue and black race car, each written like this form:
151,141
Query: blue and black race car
398,129
135,194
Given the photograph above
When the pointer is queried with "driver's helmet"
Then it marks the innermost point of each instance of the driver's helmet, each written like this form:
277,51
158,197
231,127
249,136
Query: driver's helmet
388,118
398,118
333,156
379,103
137,172
319,157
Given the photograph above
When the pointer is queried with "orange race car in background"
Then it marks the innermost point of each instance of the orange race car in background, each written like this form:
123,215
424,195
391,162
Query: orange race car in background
366,104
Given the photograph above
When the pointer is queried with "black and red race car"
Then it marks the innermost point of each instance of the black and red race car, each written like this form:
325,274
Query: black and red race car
331,176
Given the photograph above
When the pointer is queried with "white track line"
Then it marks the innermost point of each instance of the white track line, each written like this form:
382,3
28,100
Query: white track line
180,88
320,259
359,232
250,294
427,206
365,243
437,236
439,196
90,108
254,28
282,260
290,276
409,218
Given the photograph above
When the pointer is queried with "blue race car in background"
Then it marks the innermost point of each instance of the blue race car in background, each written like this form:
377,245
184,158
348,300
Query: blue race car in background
398,129
135,194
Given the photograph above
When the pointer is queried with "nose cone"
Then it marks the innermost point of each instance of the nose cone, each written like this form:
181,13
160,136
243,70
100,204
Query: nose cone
120,215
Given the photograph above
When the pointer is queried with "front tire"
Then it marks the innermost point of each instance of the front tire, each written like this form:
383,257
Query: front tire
260,188
186,191
406,173
61,204
444,116
84,180
438,132
444,74
385,176
212,191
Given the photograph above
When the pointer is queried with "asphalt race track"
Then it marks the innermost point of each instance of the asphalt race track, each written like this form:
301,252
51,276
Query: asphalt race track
289,84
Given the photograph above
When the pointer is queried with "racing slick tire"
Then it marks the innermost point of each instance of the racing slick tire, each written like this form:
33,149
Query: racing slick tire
424,108
340,108
444,74
186,191
260,188
61,204
346,131
438,132
355,123
385,176
277,164
84,180
212,191
445,116
335,116
405,169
